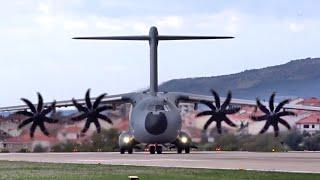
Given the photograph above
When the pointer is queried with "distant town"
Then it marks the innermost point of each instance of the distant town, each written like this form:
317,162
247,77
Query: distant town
14,140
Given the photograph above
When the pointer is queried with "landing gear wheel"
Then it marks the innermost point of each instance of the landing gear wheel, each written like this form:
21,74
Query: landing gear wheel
159,149
179,150
122,151
187,150
130,151
152,149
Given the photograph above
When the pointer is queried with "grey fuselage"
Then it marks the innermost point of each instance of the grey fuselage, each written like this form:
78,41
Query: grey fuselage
154,119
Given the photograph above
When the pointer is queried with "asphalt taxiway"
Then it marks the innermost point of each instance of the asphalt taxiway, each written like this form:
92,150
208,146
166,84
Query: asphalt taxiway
304,162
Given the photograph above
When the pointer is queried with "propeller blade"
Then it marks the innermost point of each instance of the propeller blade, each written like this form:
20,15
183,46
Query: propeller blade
79,117
276,130
265,128
40,102
281,104
209,104
285,123
227,101
25,122
86,126
97,124
79,106
98,100
43,129
88,100
49,109
105,118
206,125
216,98
29,104
103,108
32,129
229,122
25,113
50,120
262,107
271,102
219,127
286,113
259,118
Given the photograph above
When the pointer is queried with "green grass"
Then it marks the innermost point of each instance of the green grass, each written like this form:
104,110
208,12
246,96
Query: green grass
27,170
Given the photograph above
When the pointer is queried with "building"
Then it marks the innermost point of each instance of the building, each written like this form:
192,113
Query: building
24,142
310,102
69,133
309,124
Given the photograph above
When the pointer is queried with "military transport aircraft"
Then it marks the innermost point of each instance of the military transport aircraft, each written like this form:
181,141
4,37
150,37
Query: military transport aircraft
155,118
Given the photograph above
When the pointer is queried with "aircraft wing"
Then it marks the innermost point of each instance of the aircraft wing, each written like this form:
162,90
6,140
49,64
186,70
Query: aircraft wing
196,98
107,100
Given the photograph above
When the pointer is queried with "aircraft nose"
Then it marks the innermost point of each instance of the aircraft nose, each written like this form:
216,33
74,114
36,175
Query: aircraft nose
156,124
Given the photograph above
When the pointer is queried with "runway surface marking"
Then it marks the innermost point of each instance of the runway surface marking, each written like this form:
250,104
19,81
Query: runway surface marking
308,162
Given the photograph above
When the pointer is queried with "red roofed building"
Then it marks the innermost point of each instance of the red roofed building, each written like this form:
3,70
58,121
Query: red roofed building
310,102
121,124
309,124
15,144
69,133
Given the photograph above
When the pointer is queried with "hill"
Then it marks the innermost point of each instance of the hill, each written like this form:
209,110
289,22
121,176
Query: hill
297,78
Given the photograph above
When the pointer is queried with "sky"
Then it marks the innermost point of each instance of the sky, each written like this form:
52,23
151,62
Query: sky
37,53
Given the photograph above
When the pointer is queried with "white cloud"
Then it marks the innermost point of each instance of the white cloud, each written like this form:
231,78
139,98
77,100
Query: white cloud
170,22
296,27
43,8
108,24
141,27
75,25
227,21
46,21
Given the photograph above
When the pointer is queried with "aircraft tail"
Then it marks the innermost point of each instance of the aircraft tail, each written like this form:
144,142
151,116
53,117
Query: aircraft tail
153,39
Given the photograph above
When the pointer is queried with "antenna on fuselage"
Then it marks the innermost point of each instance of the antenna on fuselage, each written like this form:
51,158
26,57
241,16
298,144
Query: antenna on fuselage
153,39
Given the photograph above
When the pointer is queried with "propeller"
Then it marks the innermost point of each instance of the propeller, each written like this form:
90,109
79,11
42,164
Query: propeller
273,115
37,115
219,112
91,112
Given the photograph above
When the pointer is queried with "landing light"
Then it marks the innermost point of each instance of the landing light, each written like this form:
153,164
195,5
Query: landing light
126,139
184,139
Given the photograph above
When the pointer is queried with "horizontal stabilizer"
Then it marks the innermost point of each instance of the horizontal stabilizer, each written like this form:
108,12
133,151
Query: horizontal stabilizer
192,37
146,38
135,38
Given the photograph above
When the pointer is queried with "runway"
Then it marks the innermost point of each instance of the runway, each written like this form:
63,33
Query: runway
304,162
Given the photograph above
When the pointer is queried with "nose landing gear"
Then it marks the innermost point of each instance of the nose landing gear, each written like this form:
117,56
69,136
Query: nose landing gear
183,142
154,148
186,150
123,150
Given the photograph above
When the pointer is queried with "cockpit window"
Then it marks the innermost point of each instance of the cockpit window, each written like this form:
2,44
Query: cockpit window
159,107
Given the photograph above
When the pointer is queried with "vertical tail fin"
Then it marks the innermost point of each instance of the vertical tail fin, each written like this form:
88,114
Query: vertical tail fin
153,39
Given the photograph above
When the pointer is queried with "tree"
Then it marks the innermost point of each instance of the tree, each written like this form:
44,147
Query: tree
39,148
312,143
294,140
